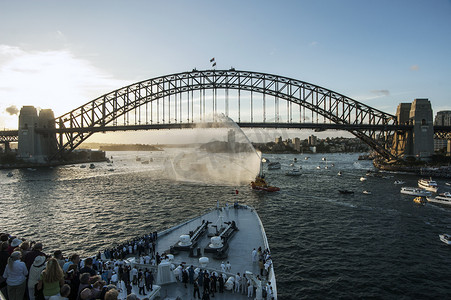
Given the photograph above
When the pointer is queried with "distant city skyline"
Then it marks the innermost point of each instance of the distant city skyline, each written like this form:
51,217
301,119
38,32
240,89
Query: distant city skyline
60,55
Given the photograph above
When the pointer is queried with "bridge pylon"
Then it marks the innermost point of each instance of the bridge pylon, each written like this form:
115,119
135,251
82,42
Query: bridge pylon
35,146
419,142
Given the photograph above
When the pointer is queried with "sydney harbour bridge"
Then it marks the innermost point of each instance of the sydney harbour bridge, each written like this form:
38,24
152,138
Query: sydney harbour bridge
251,99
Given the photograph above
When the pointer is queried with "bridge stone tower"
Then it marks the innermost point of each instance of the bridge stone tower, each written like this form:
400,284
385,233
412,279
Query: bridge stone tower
35,146
420,142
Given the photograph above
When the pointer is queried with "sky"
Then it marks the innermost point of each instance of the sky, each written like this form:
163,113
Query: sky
62,54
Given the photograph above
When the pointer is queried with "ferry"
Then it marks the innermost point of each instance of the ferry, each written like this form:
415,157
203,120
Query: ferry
428,184
414,191
443,198
221,236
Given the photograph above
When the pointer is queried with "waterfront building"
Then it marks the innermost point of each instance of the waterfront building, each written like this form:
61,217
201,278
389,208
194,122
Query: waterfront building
443,118
312,140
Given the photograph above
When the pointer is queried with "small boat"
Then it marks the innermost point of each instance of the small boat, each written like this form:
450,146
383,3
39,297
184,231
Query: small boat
307,157
366,192
83,166
443,198
419,200
448,183
446,238
414,191
345,192
111,170
10,174
92,166
318,168
265,160
362,178
293,172
398,182
323,158
274,166
428,184
339,173
261,185
295,159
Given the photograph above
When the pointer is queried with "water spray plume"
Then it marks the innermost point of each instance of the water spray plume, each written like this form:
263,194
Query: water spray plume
219,153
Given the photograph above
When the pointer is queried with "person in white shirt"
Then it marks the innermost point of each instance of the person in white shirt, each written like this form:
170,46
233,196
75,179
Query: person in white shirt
16,276
114,279
237,282
250,288
254,256
228,266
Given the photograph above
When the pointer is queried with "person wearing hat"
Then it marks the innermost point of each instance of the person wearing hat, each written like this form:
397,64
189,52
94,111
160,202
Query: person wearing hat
35,273
13,245
16,276
30,256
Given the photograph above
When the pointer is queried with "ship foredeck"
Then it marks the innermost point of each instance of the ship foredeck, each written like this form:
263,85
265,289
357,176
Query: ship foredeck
250,235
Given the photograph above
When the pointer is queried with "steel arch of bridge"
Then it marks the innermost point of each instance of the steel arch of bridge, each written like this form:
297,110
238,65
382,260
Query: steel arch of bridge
77,125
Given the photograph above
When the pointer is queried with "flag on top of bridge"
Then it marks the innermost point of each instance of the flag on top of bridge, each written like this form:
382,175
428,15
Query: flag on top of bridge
212,60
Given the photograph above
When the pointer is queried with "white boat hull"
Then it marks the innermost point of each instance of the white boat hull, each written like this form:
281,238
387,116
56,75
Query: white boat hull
446,238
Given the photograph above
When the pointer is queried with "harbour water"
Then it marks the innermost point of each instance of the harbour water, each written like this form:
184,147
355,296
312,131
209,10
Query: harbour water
325,245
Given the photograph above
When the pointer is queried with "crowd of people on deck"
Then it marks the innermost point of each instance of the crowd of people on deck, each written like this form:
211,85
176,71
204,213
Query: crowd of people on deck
27,272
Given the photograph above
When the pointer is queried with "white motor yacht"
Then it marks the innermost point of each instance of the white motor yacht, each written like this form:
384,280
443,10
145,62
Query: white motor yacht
428,184
274,165
446,238
293,172
362,178
443,198
414,191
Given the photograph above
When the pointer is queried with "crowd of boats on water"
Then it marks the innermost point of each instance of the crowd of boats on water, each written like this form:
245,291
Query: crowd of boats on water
424,192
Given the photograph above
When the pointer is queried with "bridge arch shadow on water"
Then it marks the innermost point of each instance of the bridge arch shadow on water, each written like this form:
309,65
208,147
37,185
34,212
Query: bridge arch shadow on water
252,99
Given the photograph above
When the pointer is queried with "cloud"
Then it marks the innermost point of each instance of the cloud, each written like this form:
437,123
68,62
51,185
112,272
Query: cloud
313,44
49,79
414,68
381,93
12,110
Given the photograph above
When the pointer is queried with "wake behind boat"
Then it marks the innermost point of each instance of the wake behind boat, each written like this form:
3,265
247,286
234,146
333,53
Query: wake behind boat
207,242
